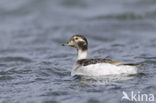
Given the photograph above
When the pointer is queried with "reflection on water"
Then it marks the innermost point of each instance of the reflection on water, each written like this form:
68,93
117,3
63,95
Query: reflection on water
34,67
106,80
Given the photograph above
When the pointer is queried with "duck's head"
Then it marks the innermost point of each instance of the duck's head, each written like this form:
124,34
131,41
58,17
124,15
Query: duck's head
78,41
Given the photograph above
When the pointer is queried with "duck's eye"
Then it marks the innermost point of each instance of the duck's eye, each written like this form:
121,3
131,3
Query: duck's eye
76,38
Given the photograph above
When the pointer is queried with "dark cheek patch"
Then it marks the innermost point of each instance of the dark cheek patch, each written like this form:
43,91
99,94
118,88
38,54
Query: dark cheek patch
82,45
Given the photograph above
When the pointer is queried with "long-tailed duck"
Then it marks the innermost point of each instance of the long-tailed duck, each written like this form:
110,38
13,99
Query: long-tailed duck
96,67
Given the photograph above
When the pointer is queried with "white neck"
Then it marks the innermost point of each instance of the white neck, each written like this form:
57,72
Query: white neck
82,54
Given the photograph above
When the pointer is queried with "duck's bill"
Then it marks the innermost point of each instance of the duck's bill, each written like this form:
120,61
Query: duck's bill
65,44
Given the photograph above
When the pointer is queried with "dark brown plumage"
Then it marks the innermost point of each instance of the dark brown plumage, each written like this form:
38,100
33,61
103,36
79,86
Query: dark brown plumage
83,46
86,62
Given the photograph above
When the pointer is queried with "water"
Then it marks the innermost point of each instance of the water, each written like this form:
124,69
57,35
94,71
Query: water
35,68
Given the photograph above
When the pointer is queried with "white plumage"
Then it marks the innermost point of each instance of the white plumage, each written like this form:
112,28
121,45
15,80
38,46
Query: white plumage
101,69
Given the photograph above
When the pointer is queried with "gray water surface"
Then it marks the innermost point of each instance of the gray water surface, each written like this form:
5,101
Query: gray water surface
35,68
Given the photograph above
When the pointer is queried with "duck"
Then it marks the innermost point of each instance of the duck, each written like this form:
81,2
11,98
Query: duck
84,66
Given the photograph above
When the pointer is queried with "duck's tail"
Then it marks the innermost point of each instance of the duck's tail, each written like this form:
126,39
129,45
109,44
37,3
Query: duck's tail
136,65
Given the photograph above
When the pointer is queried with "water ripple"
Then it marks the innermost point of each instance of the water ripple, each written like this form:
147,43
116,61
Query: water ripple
15,59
